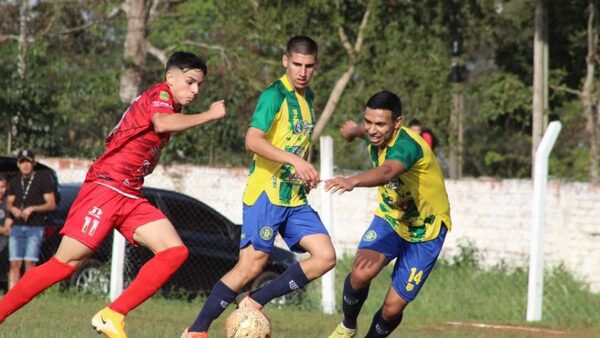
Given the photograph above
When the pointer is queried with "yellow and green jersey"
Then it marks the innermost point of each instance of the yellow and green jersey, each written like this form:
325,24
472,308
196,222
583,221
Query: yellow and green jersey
287,118
414,203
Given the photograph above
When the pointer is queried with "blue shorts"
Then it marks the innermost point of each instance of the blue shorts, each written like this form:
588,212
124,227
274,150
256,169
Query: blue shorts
414,261
24,243
262,221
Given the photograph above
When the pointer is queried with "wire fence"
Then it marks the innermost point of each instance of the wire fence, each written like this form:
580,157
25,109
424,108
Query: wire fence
478,284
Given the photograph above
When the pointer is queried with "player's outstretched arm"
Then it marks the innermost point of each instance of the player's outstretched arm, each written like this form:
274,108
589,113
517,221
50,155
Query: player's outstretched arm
351,130
178,122
257,143
370,178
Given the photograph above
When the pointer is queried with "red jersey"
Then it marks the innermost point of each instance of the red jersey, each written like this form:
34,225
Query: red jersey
133,147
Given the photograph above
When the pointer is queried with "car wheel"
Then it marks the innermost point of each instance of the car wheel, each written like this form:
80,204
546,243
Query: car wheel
92,277
266,277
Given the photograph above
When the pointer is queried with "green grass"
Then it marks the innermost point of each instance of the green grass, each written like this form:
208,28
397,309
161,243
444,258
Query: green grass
457,291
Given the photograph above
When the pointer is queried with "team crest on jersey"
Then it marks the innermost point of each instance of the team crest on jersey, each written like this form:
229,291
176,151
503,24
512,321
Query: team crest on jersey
164,95
303,127
370,236
266,233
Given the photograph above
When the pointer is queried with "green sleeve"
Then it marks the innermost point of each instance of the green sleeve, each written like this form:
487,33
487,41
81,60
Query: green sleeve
405,150
268,105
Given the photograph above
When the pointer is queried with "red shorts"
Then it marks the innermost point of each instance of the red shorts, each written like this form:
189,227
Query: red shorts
98,209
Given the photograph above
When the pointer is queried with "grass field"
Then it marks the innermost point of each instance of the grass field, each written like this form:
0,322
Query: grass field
458,297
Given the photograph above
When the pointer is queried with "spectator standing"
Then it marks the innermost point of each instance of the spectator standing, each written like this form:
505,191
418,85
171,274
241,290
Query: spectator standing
5,221
30,199
426,133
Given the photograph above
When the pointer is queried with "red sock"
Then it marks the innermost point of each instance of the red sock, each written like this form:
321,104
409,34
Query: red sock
34,282
150,278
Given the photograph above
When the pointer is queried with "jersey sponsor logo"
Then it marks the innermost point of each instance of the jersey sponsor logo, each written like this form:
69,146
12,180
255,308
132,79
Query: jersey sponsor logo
266,233
164,95
370,236
303,127
161,104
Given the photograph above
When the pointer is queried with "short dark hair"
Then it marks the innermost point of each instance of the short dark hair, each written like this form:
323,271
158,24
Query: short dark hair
186,61
386,100
303,45
415,122
3,178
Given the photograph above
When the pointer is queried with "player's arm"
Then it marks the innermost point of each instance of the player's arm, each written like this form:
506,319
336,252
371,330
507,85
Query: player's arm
351,130
178,122
257,143
10,206
371,178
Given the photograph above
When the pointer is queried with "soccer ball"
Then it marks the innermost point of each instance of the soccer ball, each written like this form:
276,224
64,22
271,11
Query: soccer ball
247,322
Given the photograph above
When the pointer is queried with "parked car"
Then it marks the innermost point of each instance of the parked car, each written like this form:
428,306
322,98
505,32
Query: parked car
212,240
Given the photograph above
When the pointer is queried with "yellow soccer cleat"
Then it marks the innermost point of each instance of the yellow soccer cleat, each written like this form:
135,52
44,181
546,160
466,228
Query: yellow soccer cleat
342,332
187,334
110,323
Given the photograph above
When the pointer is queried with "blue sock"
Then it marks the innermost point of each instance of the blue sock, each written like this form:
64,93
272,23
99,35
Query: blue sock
352,302
291,279
220,296
381,328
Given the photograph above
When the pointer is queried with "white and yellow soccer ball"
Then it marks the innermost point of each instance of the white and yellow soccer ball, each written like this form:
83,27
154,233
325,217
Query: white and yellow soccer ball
247,322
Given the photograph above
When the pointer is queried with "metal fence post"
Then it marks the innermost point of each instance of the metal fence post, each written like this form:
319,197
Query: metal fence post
328,280
536,259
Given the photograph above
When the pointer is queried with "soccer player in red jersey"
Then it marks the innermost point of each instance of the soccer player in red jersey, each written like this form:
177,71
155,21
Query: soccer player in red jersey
110,197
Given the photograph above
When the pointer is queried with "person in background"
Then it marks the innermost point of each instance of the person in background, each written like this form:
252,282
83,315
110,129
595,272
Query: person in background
426,133
30,200
5,220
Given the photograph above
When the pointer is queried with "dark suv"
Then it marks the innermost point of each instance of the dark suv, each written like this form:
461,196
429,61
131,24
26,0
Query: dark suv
211,238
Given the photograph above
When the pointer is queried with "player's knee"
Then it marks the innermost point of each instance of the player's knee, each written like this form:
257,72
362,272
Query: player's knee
361,278
328,261
248,272
393,309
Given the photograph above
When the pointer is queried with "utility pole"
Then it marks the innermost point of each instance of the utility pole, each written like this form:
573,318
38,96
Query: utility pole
456,115
540,77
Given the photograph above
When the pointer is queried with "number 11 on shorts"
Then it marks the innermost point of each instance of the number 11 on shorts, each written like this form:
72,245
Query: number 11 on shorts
86,225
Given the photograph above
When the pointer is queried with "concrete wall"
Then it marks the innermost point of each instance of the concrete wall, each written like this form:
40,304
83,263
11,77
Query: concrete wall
493,215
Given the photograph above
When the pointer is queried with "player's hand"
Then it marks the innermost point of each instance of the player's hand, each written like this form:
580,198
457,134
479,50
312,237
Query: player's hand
339,184
306,172
217,110
26,213
18,213
348,130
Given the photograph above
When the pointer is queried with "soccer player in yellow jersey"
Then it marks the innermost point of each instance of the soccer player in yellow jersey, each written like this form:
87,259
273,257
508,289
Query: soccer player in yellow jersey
411,218
275,197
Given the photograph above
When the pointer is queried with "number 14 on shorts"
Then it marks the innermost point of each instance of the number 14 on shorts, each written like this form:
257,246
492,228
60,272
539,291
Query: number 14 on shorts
414,278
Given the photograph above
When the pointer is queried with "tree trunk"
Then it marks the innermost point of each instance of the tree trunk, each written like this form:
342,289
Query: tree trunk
21,63
134,53
342,82
540,42
21,70
587,99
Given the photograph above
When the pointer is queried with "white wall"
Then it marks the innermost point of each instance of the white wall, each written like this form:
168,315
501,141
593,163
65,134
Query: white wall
493,215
